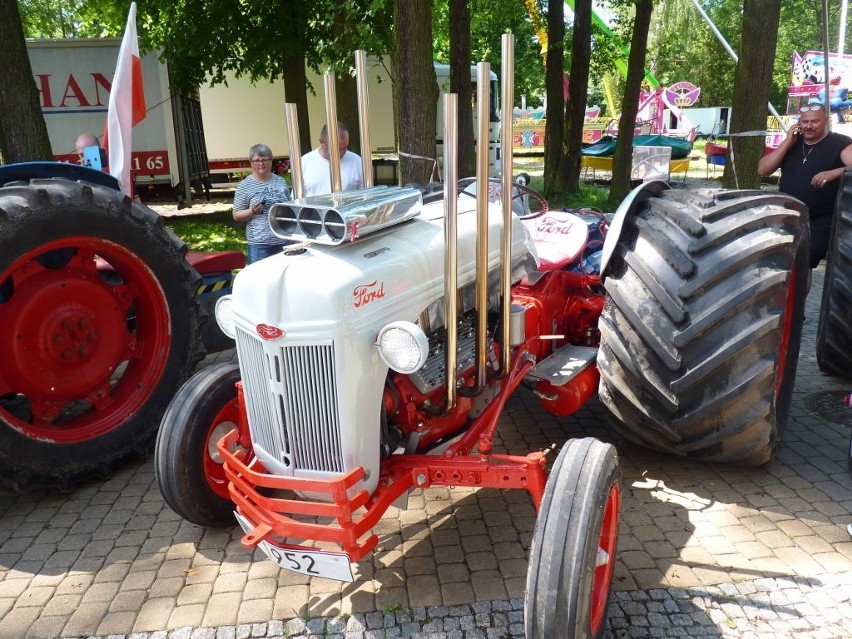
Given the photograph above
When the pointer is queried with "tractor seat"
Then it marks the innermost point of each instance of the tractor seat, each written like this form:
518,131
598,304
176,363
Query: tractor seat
559,238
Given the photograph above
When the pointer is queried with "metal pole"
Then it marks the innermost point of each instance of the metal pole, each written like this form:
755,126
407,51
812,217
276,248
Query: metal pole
508,80
483,71
451,170
841,38
333,144
825,61
364,116
292,118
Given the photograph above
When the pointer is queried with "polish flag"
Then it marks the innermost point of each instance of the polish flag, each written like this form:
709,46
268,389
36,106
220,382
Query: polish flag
126,105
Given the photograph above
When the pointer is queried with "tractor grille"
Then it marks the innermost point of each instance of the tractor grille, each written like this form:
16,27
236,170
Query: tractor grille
291,401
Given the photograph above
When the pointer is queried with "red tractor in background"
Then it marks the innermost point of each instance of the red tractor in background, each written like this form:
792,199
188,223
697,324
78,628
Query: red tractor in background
103,315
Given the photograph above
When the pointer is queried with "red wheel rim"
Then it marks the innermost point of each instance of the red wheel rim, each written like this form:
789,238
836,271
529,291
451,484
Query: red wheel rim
214,469
786,328
605,559
85,334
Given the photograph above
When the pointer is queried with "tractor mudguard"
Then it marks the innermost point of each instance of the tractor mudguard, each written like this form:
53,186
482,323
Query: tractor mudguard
74,172
628,207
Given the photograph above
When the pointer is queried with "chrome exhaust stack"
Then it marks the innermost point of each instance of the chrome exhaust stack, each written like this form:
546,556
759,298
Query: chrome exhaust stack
451,287
508,99
364,116
333,144
295,149
483,100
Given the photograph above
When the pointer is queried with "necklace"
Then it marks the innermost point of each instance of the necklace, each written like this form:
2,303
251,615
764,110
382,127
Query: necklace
805,155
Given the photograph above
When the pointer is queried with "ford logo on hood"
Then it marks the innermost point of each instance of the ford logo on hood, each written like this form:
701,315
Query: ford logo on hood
268,332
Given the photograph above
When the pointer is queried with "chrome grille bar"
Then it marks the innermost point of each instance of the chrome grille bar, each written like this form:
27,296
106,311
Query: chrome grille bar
265,422
310,404
291,402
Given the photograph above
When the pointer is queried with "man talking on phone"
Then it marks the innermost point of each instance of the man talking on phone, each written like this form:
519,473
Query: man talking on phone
812,161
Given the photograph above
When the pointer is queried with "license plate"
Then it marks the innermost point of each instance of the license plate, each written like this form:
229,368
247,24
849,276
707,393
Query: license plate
314,563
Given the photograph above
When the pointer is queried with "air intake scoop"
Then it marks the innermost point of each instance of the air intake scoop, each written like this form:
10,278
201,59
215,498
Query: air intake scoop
344,217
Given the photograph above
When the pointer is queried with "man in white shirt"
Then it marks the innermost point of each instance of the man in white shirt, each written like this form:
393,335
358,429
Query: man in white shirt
316,168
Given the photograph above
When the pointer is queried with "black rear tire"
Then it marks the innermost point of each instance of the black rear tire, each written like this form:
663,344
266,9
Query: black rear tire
188,469
702,321
834,333
99,326
569,579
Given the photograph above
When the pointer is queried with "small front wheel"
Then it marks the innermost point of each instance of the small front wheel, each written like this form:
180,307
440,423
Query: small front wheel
574,544
187,464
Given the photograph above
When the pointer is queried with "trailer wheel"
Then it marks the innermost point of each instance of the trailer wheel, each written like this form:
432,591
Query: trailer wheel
834,332
702,320
573,550
98,328
187,465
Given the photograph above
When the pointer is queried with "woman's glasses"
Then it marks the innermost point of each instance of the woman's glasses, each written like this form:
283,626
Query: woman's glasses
260,160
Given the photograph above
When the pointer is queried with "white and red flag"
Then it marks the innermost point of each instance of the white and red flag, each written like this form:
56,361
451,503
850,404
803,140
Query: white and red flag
126,105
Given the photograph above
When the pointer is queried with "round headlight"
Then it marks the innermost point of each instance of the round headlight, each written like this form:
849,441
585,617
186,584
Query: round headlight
403,346
225,316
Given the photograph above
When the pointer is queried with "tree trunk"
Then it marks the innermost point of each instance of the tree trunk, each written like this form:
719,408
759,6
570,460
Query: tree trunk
554,127
578,91
295,92
460,84
416,89
623,159
23,133
751,91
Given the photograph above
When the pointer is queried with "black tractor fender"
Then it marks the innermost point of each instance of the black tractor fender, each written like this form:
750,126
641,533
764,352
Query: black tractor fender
627,209
74,172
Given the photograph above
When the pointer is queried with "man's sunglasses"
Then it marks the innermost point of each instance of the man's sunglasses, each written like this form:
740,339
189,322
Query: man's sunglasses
811,107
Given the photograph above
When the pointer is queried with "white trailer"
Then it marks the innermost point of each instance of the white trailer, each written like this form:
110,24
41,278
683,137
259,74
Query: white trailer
709,120
74,77
239,114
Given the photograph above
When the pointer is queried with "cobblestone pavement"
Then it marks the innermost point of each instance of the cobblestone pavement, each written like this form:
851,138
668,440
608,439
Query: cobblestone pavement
704,551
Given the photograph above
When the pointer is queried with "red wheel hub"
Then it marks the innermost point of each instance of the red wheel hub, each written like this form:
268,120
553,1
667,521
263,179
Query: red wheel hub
67,335
605,560
85,348
790,306
214,470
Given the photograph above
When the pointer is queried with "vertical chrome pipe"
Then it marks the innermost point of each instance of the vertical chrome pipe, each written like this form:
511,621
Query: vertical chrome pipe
364,116
483,71
508,100
295,145
451,303
333,145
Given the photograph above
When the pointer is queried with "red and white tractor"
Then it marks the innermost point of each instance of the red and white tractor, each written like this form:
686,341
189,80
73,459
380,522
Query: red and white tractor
376,355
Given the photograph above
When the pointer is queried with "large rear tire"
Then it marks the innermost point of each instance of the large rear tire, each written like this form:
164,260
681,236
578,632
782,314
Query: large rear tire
98,328
572,557
187,465
701,325
834,332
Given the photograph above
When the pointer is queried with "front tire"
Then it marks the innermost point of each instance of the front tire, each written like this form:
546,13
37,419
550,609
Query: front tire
834,333
187,465
702,321
573,551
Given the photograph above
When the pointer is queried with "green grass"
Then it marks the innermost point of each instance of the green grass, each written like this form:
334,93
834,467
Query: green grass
209,232
587,195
